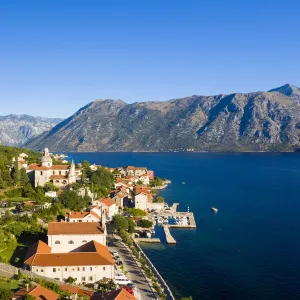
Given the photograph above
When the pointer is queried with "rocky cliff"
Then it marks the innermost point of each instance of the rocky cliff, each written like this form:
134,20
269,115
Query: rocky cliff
260,121
17,130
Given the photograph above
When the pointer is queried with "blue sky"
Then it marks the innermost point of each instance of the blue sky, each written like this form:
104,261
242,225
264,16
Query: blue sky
57,56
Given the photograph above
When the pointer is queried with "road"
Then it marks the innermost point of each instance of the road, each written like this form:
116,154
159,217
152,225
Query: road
143,291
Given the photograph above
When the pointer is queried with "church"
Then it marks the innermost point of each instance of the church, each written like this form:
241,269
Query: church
59,175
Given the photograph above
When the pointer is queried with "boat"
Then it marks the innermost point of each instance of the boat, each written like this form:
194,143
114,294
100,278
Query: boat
183,182
214,209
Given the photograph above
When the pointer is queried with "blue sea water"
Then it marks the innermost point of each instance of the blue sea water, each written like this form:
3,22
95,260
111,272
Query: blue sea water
250,249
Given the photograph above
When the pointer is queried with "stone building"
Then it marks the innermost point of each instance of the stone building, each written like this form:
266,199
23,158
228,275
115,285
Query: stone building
59,175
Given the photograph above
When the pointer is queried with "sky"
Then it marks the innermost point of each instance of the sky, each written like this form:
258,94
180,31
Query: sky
57,56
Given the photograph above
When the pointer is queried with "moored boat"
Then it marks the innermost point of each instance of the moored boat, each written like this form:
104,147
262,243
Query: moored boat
214,209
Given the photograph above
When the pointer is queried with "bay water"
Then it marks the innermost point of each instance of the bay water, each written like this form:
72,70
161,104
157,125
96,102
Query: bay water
250,249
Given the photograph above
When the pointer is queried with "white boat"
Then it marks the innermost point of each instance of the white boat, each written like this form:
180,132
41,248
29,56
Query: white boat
183,182
214,209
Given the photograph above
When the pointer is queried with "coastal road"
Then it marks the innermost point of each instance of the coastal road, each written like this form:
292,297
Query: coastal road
144,291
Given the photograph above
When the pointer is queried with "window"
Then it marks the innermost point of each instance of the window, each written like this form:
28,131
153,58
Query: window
78,269
59,172
83,269
91,268
84,241
91,278
71,242
57,242
49,165
54,270
53,172
103,268
66,269
37,270
42,270
56,278
41,172
82,278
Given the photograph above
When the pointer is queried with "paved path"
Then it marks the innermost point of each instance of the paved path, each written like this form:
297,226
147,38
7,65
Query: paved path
135,274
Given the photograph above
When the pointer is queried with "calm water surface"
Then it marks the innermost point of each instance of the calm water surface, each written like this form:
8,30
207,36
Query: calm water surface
250,248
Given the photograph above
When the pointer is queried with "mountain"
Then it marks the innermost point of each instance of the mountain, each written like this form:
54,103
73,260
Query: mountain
16,130
259,121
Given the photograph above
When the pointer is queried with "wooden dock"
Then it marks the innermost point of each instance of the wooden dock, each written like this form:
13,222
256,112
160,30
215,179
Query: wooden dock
169,238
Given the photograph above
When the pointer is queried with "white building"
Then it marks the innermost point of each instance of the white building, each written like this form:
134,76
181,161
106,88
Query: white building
65,237
142,201
144,179
108,206
59,175
88,264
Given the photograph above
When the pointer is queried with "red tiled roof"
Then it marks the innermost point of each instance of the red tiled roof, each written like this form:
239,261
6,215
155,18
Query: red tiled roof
93,213
90,254
38,247
107,201
43,168
76,290
39,292
58,228
57,177
114,295
76,214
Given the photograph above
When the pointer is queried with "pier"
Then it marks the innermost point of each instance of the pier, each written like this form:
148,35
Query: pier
147,240
171,212
169,237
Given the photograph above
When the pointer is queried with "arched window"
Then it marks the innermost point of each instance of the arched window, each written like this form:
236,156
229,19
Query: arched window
84,241
71,242
57,242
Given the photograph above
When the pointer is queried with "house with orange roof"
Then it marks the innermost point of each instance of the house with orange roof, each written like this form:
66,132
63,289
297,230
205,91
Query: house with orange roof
59,175
94,215
143,201
120,294
121,198
76,291
88,263
108,206
66,237
38,292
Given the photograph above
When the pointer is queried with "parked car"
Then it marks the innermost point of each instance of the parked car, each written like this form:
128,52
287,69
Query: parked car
121,279
129,288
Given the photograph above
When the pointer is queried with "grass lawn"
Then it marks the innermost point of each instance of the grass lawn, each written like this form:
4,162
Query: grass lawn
14,255
8,283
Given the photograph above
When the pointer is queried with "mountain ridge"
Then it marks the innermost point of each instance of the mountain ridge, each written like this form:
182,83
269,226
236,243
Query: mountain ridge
16,130
257,121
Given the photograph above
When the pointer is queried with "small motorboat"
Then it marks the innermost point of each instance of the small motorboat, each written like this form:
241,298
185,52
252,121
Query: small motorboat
214,209
183,182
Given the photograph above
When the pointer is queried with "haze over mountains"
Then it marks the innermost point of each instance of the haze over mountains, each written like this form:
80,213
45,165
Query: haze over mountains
259,121
17,130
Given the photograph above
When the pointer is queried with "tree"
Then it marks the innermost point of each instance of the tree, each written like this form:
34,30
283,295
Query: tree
49,186
20,275
187,298
139,182
16,174
145,223
120,222
5,294
24,179
70,280
131,226
71,200
85,165
159,199
102,180
28,191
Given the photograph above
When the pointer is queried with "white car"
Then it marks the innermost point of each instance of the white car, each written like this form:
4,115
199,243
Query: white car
115,253
121,279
